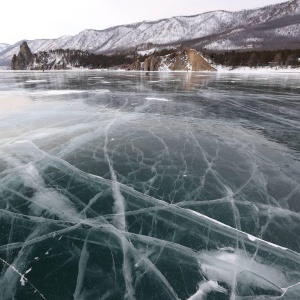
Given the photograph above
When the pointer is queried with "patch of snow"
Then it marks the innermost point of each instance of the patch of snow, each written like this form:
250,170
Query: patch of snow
147,52
252,40
223,69
292,30
221,44
157,99
58,92
251,238
35,81
206,288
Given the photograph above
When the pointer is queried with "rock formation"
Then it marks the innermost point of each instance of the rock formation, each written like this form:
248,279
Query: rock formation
55,59
197,61
151,63
23,59
136,66
184,60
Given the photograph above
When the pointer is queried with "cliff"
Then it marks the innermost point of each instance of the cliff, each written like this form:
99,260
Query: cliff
185,60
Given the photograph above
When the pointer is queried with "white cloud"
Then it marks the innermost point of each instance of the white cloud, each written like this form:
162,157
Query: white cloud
34,19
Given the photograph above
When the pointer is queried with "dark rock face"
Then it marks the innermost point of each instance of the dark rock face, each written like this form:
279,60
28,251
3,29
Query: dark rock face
23,59
151,64
135,66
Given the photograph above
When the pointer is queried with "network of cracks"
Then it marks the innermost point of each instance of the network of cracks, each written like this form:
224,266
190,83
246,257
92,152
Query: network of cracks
170,187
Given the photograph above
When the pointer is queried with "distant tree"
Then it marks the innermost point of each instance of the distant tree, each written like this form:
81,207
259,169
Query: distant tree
291,60
253,60
278,58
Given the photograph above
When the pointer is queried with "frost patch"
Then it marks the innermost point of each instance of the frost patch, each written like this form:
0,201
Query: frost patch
251,238
58,92
157,99
35,81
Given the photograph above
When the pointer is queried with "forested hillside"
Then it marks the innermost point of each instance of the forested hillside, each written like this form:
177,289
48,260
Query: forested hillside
255,58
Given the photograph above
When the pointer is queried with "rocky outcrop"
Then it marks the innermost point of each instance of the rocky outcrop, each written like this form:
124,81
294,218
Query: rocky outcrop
55,59
179,62
198,62
60,59
23,59
136,66
151,63
182,60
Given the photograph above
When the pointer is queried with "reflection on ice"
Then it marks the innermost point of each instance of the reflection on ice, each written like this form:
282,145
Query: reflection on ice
113,196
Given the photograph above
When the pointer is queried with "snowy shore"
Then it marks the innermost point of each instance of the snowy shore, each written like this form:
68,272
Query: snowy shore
223,69
220,69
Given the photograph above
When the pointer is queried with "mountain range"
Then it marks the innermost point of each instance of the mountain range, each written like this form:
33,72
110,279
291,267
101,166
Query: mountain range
270,27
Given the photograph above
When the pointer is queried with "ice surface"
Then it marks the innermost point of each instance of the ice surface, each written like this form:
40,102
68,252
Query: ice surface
107,195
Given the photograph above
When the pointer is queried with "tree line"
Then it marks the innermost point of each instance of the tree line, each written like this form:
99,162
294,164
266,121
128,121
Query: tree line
255,58
99,60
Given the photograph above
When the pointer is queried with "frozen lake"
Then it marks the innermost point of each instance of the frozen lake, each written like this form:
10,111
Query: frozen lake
160,186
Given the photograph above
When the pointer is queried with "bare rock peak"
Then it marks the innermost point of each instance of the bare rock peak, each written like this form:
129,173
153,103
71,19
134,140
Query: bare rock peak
23,59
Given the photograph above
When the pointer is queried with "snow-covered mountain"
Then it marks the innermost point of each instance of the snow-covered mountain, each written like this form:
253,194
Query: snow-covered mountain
271,26
3,46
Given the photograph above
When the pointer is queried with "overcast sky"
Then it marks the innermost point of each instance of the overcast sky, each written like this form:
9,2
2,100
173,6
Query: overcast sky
33,19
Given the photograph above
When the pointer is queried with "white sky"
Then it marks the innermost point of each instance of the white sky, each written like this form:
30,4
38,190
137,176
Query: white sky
34,19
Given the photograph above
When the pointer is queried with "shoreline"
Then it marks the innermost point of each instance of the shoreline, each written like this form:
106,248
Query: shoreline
219,70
